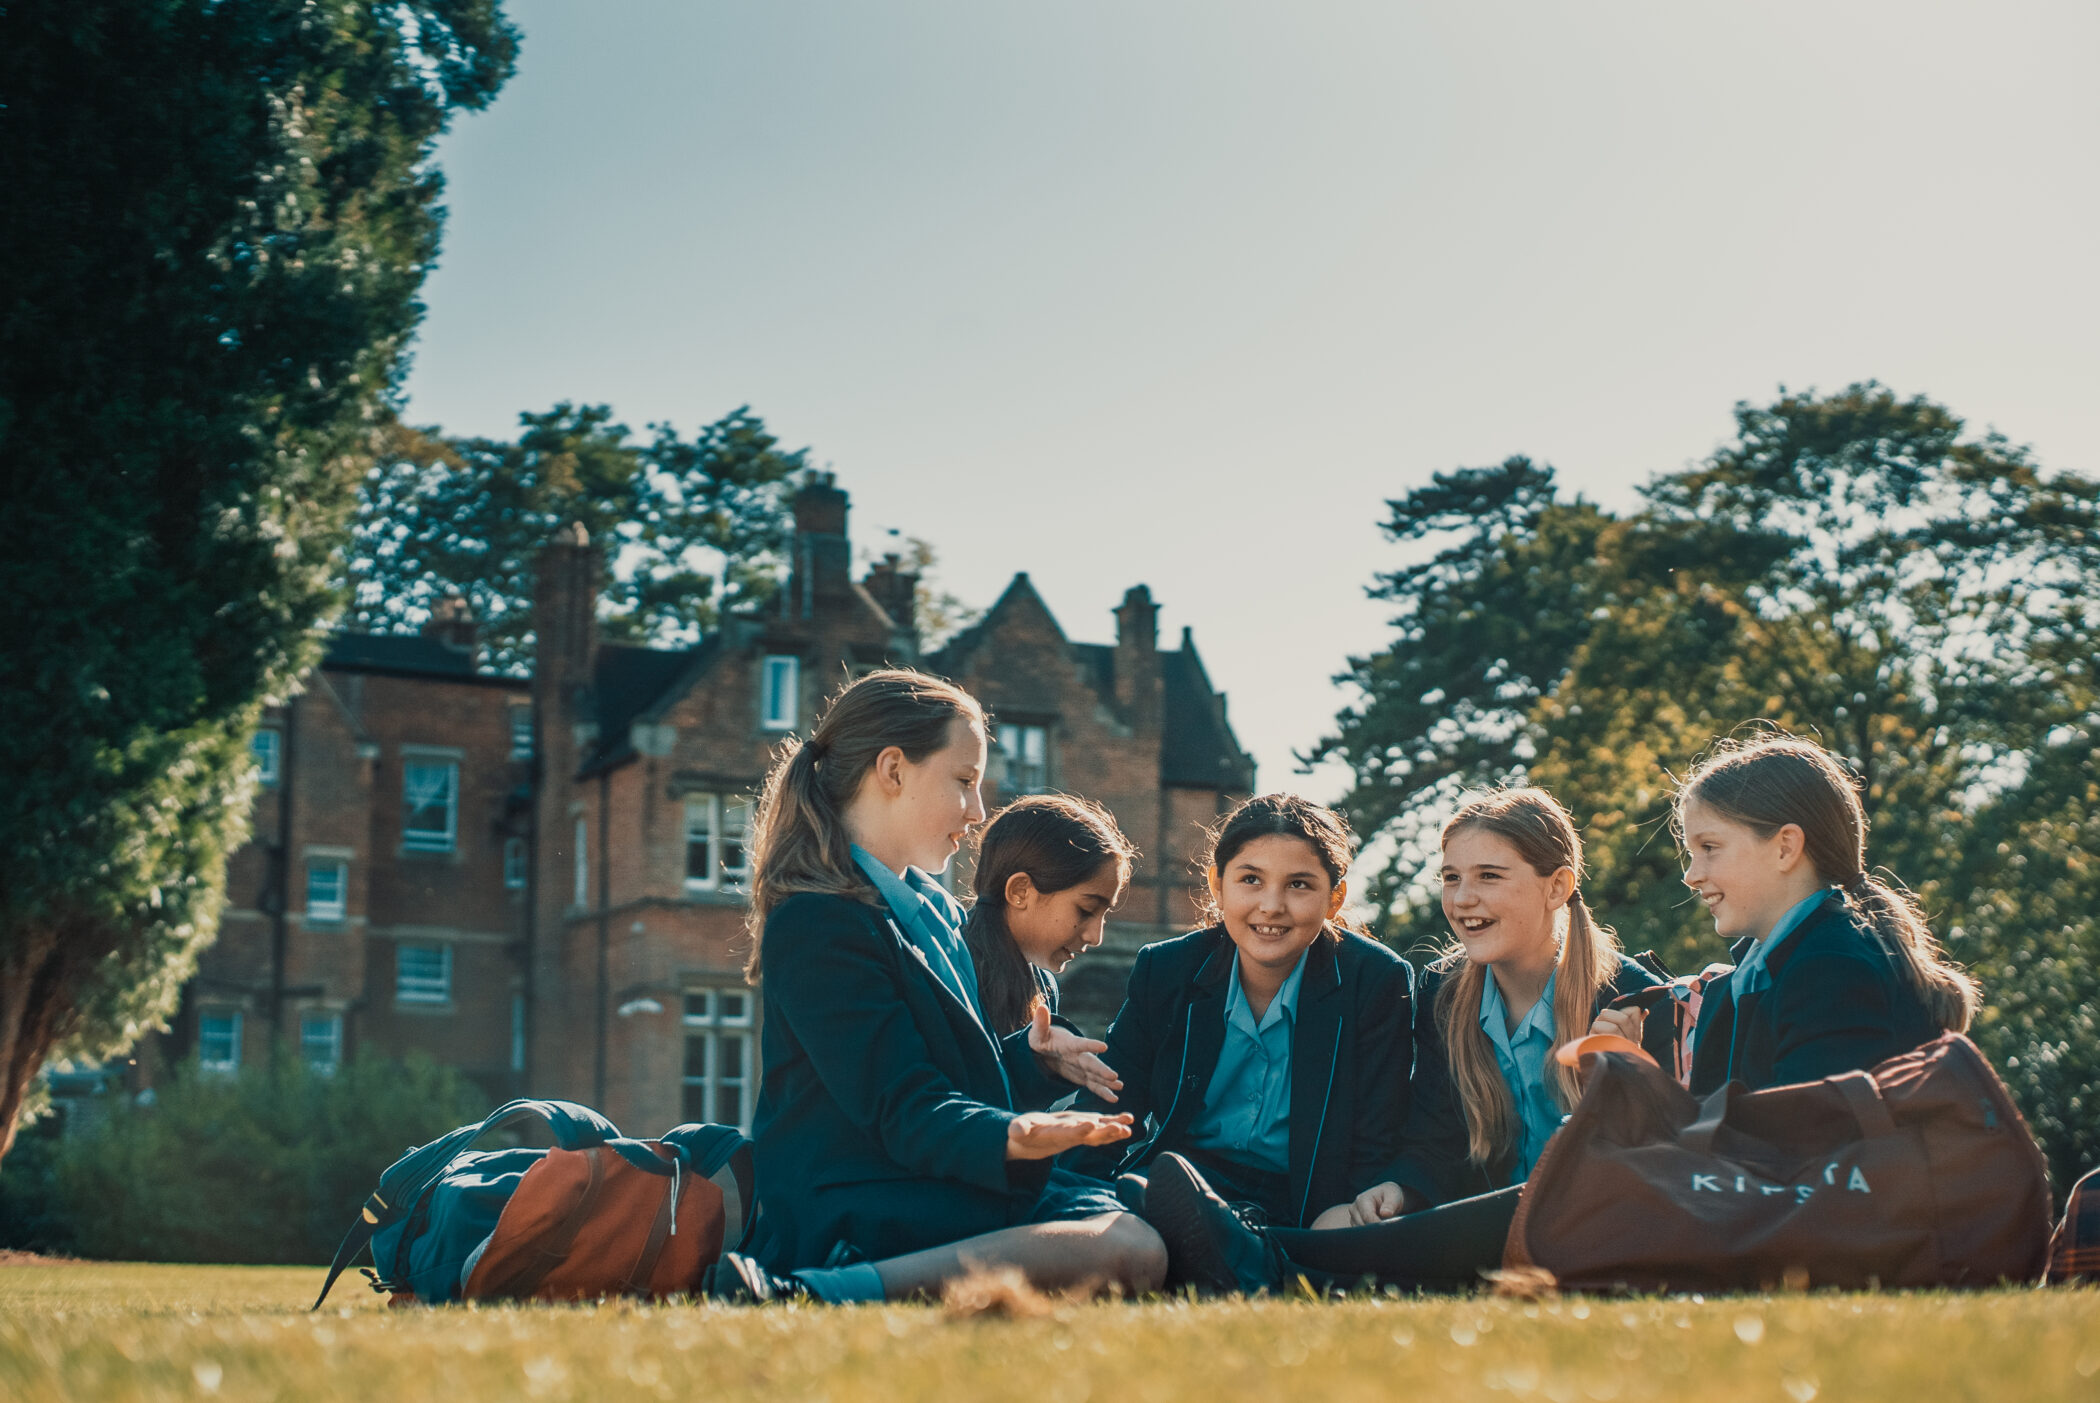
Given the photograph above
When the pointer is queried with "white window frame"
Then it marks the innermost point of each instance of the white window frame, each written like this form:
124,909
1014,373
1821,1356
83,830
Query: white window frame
425,840
708,821
1014,737
422,988
232,1061
705,1020
330,911
267,746
582,863
780,692
333,1040
514,864
520,731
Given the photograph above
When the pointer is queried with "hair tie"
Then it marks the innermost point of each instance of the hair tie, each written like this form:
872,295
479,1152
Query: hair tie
1857,881
1575,898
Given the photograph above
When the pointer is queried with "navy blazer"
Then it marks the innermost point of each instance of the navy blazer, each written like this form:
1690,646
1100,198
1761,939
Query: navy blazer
1352,1047
1841,1000
882,1117
1434,1161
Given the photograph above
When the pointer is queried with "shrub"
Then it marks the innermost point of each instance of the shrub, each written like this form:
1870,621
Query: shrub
267,1165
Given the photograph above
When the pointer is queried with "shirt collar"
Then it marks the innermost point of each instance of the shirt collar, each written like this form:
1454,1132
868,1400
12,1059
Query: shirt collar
1284,1006
910,896
1494,1013
1750,973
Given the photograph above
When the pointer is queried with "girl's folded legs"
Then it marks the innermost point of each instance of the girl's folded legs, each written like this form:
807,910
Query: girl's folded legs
1437,1249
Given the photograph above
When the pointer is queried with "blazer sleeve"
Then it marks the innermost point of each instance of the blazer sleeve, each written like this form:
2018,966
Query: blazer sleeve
1831,1013
834,981
1385,1055
1133,1042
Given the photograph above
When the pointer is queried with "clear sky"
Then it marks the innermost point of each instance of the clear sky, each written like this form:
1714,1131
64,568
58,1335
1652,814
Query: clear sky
1180,293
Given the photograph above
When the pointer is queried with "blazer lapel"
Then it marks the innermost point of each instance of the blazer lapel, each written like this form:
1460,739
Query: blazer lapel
1315,1039
1202,1038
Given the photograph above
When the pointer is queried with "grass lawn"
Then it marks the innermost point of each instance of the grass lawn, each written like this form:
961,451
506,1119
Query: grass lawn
93,1331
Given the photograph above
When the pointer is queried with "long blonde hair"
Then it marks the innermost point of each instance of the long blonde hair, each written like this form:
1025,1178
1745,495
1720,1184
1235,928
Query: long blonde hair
799,841
1772,781
1533,822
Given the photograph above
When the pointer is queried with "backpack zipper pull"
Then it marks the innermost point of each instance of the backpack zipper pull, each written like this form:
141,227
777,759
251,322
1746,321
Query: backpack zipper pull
675,1162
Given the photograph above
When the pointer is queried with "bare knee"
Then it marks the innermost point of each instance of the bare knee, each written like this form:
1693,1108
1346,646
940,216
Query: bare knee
1137,1255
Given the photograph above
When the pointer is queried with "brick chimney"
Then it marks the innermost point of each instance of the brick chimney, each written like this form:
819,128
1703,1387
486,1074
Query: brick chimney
565,622
1140,689
823,558
451,623
894,588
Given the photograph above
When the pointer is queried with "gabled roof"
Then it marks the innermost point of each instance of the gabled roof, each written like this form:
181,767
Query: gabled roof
630,682
407,655
953,658
1198,748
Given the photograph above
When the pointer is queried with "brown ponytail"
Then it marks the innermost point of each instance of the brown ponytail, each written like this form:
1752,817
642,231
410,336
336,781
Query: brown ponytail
799,841
1533,822
1059,841
1767,783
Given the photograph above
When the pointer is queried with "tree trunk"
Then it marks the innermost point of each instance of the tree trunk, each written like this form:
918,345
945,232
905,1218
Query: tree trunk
35,1010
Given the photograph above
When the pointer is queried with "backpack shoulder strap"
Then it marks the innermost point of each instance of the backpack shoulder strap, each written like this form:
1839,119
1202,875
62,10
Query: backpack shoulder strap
406,1180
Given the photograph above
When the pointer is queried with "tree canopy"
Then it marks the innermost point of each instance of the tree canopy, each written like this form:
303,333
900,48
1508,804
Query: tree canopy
1852,567
221,214
692,527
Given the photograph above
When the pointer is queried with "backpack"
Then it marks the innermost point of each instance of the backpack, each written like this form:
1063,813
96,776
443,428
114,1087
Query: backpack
2074,1249
598,1215
1919,1172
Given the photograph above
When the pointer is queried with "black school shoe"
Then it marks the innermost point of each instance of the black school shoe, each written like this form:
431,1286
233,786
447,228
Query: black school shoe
738,1280
1209,1245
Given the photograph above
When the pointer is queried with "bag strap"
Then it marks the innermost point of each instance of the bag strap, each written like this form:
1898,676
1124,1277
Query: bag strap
575,1127
1863,1097
1698,1137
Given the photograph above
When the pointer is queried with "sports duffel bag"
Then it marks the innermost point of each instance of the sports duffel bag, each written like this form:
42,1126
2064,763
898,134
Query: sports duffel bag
598,1215
1918,1173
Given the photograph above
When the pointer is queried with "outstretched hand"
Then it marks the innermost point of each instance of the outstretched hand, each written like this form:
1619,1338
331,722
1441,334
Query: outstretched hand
1043,1134
1069,1057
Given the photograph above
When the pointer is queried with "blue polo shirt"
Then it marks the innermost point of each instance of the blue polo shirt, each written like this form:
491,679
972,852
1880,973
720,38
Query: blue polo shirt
1522,1054
1246,1113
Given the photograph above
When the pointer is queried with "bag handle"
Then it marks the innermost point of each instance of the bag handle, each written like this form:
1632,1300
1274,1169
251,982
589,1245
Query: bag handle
1698,1137
1863,1097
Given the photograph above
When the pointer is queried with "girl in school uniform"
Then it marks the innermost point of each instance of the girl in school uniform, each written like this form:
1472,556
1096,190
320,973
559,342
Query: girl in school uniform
1529,963
1273,1047
890,1157
1050,869
1836,972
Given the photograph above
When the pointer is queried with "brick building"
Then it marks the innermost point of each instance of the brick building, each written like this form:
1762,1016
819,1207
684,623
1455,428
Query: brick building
541,881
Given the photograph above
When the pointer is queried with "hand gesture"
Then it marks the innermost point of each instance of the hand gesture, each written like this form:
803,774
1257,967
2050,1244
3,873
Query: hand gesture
1069,1057
1376,1204
1626,1023
1042,1134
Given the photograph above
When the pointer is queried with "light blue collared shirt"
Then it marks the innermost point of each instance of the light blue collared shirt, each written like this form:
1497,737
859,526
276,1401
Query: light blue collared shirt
1751,975
1522,1052
932,922
1246,1113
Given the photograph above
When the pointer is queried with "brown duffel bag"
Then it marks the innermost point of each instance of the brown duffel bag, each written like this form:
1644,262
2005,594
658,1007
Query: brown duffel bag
1918,1173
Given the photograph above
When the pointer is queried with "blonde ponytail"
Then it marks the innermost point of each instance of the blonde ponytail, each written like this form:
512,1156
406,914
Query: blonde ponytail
1533,822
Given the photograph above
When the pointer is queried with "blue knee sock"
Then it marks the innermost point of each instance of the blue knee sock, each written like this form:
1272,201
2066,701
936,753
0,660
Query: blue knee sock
842,1285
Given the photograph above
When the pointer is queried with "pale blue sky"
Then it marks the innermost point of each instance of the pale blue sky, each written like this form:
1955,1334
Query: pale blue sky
1181,292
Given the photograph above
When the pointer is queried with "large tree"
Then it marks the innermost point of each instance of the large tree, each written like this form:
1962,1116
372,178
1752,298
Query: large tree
219,215
693,527
1851,567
